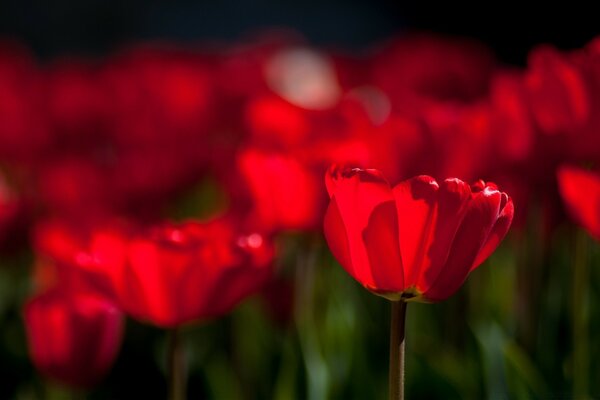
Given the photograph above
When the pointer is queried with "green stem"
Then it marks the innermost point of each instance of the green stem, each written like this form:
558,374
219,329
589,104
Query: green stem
176,366
317,372
581,277
396,380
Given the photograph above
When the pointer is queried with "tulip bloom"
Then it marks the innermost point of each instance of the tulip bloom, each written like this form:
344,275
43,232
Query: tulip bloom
73,337
418,240
580,190
172,274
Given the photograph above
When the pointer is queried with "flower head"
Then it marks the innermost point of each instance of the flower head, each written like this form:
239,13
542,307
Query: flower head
418,240
168,274
73,336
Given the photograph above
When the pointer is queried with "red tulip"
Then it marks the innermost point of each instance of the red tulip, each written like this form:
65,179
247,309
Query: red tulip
73,337
418,240
512,124
79,110
60,245
580,190
159,96
415,70
172,274
23,131
559,96
563,92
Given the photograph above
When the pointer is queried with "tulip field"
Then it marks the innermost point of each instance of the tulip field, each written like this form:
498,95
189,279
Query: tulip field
267,218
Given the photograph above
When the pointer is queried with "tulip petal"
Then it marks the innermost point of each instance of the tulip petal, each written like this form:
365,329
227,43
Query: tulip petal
156,292
336,235
498,232
381,241
356,193
453,198
416,201
475,228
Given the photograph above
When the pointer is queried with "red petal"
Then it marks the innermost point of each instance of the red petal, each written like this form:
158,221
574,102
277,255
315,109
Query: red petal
382,243
156,296
498,232
479,219
453,200
356,194
416,201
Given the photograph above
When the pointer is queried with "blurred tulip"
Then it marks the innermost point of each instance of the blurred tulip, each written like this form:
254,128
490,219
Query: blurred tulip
558,92
78,106
24,130
580,191
284,192
512,122
415,70
74,337
418,240
461,140
563,91
159,96
173,274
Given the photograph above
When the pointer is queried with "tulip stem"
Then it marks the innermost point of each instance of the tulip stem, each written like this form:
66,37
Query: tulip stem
396,378
176,366
580,291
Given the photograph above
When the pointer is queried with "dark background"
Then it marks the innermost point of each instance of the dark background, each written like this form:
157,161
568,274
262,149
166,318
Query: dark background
94,27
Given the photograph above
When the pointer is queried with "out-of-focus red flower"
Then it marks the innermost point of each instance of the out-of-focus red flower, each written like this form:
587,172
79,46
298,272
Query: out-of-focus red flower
289,146
512,125
79,109
285,193
461,140
557,90
59,245
563,91
415,70
23,131
76,188
147,177
73,337
418,240
173,274
163,107
159,96
580,191
274,122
